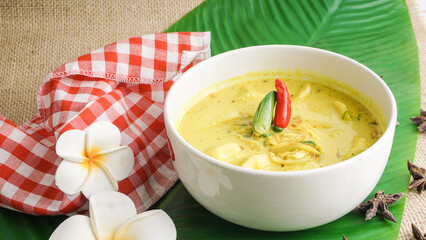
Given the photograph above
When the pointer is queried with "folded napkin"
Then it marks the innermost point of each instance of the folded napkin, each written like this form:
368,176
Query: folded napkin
124,83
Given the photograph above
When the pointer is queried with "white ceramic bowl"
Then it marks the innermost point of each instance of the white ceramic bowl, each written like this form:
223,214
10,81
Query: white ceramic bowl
279,201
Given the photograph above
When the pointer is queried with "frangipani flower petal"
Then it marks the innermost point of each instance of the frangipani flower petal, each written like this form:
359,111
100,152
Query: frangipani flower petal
108,211
154,224
113,216
70,177
99,181
102,136
98,153
76,227
71,145
118,161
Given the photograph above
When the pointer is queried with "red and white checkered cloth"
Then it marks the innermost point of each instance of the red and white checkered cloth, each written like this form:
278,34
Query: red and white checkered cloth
125,83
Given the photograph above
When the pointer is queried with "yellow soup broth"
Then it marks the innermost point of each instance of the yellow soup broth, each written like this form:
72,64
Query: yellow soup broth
327,126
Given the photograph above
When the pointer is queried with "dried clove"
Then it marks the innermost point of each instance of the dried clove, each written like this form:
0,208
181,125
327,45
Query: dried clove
419,177
416,233
380,202
420,120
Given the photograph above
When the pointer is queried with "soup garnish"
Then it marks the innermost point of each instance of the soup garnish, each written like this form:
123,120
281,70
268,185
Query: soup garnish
279,99
264,115
283,107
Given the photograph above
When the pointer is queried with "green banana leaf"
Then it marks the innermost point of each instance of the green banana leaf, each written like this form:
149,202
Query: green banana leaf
376,33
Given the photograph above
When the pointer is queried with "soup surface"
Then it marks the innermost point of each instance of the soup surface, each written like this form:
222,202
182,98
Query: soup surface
327,126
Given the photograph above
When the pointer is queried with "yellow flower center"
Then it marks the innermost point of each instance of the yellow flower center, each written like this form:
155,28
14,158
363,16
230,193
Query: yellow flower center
92,157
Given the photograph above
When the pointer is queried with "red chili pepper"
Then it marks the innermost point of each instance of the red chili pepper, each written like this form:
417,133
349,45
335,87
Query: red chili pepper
283,106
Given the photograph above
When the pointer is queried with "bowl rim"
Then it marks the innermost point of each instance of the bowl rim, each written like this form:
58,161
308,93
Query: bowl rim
171,127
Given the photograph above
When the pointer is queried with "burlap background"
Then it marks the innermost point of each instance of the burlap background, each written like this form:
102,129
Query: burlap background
415,206
38,36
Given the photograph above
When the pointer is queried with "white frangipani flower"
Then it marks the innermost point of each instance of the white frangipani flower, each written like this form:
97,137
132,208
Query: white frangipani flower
93,160
113,217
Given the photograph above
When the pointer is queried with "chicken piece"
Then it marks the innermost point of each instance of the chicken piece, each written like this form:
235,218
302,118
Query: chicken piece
257,162
311,165
225,152
358,146
304,93
342,110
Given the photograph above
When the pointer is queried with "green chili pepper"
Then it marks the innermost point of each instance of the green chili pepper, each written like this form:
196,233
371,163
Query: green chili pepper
347,116
277,129
264,114
309,142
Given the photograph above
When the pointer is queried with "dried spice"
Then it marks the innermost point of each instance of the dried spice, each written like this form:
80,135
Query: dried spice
420,120
344,238
417,234
380,202
419,177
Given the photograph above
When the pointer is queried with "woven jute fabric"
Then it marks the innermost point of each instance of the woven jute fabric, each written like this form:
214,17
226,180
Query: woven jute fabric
415,206
36,36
